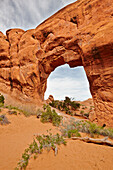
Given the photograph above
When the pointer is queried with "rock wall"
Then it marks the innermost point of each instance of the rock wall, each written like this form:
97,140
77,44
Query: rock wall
80,34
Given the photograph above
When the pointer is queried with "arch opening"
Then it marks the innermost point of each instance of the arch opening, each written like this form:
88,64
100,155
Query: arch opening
66,81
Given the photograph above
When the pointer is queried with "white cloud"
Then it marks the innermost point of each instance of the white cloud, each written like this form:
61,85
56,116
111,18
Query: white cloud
68,86
27,14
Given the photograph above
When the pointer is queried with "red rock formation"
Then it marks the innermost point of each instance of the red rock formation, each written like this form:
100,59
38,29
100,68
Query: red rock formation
50,99
80,34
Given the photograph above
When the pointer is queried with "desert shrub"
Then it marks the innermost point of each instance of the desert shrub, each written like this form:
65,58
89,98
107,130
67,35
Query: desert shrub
54,103
88,127
3,120
44,106
86,114
107,132
67,100
85,127
68,129
69,112
75,105
51,116
73,132
92,129
27,114
81,112
1,98
12,107
12,112
41,142
65,105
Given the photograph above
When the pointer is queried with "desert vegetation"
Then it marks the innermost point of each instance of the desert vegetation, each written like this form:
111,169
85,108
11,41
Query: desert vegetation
73,108
4,120
85,126
49,115
70,128
40,143
1,100
67,105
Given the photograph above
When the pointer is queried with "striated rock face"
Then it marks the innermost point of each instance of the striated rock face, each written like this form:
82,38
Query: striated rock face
80,34
50,99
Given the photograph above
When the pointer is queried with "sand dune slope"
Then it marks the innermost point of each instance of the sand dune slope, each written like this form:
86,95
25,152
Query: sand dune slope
77,155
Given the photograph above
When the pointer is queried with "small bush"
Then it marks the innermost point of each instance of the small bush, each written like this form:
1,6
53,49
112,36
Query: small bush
81,112
67,105
86,114
68,129
1,98
12,112
36,147
73,132
3,120
51,116
75,105
85,127
27,114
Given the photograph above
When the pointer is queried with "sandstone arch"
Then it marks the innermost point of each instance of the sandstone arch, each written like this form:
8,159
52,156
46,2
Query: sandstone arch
80,34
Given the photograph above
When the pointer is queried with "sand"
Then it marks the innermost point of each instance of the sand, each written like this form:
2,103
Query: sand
15,137
77,155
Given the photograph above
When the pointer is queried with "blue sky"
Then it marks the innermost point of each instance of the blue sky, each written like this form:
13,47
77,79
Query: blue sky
28,14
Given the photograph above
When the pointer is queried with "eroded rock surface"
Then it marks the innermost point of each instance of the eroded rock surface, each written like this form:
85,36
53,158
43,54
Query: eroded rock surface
80,34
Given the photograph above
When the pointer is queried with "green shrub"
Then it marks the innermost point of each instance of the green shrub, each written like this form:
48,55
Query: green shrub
85,127
12,112
81,112
75,105
86,114
4,120
1,119
73,132
1,98
65,105
67,100
36,147
54,103
51,116
20,110
68,129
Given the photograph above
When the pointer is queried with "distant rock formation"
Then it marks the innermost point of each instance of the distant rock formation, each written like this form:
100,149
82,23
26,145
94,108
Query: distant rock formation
80,34
50,99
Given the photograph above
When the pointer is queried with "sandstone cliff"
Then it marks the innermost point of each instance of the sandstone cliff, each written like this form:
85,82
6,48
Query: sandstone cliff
80,34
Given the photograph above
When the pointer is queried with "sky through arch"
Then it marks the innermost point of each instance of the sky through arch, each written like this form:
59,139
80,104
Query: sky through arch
66,81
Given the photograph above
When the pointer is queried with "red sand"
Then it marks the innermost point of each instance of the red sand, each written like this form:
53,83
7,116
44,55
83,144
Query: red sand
77,155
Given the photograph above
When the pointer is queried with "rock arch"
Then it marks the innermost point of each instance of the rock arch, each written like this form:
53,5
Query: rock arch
80,34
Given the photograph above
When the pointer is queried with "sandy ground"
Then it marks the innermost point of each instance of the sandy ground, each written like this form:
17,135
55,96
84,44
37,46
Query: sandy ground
77,155
15,137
